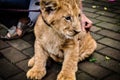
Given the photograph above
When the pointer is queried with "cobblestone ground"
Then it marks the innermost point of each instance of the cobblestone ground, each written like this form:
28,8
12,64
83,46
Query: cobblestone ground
104,64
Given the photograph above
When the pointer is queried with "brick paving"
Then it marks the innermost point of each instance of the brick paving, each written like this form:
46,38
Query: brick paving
15,54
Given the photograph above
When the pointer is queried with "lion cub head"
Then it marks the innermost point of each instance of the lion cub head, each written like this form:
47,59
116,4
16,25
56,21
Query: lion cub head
62,15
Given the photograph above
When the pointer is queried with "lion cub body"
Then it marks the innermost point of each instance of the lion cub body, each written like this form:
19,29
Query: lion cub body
59,35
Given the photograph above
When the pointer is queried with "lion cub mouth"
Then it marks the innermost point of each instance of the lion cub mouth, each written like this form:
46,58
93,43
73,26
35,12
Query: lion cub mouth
72,34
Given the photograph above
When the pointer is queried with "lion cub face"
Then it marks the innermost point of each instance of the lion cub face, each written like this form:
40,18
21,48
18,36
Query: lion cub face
62,16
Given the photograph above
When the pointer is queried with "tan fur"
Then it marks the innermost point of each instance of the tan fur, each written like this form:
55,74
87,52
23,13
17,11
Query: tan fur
59,36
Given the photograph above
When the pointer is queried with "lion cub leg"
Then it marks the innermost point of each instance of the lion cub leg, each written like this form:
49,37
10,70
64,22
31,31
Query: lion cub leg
87,49
69,67
38,70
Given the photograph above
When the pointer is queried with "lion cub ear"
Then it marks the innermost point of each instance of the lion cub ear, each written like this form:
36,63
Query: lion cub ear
48,5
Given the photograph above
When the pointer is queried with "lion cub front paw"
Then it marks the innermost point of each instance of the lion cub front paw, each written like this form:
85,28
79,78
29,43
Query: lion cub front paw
35,73
67,76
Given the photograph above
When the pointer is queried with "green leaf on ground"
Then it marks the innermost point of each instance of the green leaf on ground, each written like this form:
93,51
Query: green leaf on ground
92,60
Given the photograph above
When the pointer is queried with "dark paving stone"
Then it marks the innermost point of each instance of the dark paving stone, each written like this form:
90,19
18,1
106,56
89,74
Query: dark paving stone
19,44
106,13
92,15
23,65
96,36
94,70
53,69
29,51
113,77
95,21
117,17
110,42
111,52
117,11
110,64
83,76
7,69
1,79
95,29
20,76
110,34
29,38
88,5
104,3
100,46
109,26
13,54
87,1
89,9
107,19
50,76
3,29
3,44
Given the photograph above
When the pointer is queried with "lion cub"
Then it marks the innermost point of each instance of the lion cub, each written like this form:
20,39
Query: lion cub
59,36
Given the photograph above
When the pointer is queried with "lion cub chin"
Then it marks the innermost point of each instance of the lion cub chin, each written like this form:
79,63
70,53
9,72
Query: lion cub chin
59,36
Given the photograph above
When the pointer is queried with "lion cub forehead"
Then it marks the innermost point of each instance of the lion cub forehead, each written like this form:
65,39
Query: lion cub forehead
67,1
69,8
69,4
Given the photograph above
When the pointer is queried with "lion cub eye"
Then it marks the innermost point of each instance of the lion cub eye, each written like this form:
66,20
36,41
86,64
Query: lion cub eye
68,18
